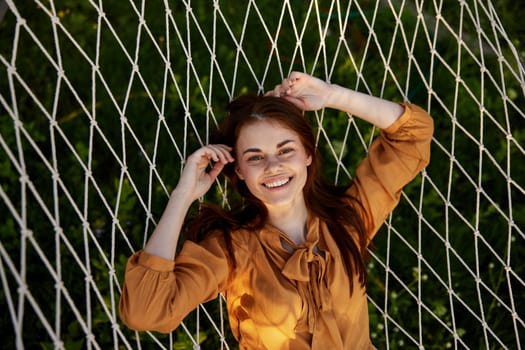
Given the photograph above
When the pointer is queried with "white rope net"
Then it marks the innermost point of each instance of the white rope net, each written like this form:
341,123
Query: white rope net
100,103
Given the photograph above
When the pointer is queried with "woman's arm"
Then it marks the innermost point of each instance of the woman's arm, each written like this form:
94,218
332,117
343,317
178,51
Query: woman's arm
393,160
310,93
159,291
194,182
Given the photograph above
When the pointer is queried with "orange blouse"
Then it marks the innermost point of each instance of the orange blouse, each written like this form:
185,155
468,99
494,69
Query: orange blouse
281,295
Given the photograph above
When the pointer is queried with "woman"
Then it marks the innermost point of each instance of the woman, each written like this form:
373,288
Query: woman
291,261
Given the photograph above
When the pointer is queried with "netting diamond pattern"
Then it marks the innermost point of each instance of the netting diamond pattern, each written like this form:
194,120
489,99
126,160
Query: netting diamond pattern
101,101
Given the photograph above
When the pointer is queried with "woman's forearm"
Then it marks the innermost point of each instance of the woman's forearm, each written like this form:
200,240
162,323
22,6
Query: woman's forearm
163,241
194,182
382,113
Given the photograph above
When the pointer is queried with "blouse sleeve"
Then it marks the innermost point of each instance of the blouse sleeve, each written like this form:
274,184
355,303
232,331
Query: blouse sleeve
158,293
394,159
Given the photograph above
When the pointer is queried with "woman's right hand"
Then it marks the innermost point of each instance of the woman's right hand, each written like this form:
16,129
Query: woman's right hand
195,179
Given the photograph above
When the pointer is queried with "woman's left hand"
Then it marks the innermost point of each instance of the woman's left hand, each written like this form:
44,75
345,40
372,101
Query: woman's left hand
303,90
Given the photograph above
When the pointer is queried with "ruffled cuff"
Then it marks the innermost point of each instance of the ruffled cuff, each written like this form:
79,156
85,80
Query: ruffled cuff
407,114
152,262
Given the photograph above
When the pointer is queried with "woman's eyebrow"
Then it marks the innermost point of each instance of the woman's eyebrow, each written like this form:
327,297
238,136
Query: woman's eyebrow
251,150
280,144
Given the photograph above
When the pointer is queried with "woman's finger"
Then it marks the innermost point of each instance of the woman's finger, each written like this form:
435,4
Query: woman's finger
216,170
221,153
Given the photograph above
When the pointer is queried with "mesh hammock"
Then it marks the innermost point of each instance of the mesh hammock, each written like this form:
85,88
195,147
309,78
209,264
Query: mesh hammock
101,102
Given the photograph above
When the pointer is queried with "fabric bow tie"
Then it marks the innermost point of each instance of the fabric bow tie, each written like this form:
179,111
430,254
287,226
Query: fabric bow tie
296,268
320,319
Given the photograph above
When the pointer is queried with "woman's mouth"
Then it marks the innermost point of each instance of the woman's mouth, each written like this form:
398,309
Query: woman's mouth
277,183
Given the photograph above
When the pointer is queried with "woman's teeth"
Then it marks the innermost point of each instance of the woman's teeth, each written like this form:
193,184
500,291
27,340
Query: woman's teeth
276,183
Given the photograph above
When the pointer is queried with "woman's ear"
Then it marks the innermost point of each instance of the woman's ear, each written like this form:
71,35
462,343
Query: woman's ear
308,160
238,172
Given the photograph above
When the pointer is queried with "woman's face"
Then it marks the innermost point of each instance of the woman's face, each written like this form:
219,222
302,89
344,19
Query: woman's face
273,163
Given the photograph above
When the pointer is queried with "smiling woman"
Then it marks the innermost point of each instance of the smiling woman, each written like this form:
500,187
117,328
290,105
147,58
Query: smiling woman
273,163
291,258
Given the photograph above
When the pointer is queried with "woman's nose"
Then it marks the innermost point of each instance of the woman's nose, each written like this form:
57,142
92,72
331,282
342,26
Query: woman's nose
272,163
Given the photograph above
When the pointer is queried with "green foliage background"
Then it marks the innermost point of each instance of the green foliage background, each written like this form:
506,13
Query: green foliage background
105,201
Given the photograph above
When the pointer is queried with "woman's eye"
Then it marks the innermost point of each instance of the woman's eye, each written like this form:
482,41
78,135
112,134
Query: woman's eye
254,158
286,150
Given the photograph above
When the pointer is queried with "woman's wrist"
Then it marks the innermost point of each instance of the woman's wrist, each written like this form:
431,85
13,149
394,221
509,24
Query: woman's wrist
337,97
182,195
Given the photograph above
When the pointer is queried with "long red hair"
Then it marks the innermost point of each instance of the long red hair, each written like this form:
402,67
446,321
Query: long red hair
331,203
